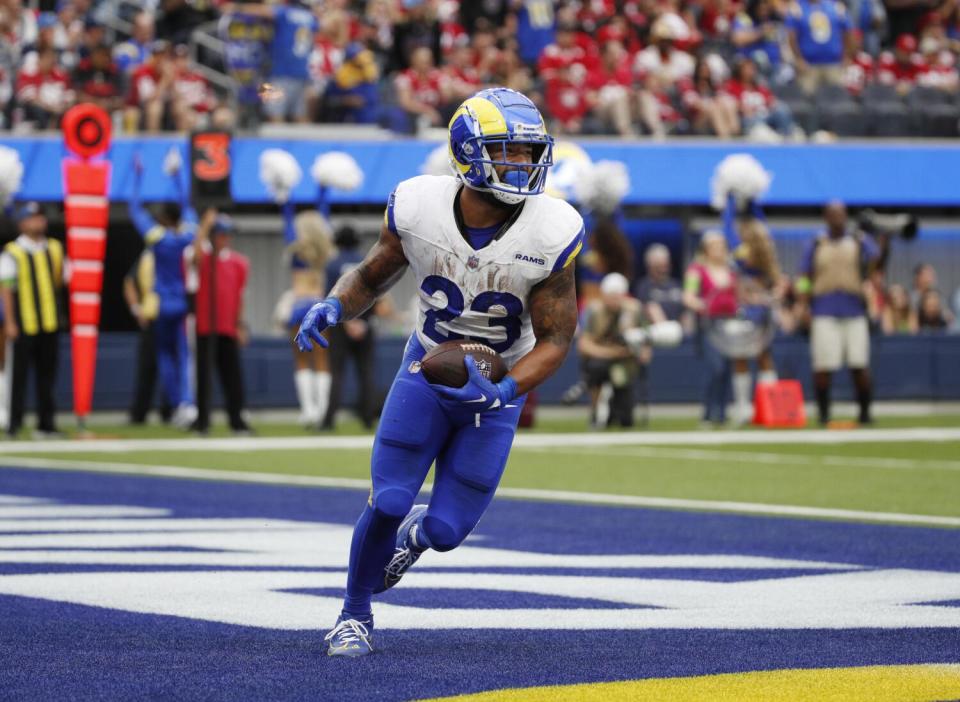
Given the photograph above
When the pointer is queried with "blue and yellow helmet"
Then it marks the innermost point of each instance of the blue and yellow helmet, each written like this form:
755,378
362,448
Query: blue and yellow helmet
481,130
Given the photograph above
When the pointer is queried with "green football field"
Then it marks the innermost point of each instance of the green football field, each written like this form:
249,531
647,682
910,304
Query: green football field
821,470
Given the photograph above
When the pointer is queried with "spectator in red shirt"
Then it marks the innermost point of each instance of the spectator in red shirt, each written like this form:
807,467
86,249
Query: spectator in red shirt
221,331
564,53
620,29
662,59
705,106
941,70
192,100
860,69
903,66
421,91
97,80
44,94
151,89
611,89
566,100
757,106
462,77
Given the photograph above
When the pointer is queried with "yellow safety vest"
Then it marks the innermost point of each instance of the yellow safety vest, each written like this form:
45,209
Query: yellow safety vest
39,279
146,282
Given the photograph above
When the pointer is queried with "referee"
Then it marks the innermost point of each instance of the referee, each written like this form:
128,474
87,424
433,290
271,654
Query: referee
31,273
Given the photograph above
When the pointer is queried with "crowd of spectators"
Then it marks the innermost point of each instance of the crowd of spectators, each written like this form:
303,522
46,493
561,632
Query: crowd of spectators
768,69
917,306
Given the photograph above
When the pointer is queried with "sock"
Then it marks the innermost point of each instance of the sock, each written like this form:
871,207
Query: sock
767,376
321,390
371,549
864,397
303,379
823,403
741,393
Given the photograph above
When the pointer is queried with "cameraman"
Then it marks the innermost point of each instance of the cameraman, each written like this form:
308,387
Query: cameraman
834,273
606,356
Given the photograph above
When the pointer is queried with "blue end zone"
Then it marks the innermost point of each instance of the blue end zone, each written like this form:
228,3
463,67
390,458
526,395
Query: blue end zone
56,650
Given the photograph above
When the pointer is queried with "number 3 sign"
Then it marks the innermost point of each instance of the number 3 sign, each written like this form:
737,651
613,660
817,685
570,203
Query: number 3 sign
210,166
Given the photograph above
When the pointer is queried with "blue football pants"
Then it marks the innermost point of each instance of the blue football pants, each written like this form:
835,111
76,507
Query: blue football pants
173,359
418,427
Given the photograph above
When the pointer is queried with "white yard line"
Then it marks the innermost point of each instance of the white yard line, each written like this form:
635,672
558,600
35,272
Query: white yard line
775,459
518,493
635,438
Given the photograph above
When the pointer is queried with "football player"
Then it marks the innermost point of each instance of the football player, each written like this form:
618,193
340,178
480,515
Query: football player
492,256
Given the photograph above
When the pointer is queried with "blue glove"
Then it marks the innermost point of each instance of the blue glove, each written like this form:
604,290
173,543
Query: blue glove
325,313
479,392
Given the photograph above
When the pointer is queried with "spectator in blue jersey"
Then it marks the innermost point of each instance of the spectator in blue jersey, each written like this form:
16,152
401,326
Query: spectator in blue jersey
294,32
758,33
354,93
167,236
536,28
246,38
820,37
133,53
834,270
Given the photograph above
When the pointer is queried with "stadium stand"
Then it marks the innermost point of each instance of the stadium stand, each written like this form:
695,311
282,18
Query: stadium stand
595,67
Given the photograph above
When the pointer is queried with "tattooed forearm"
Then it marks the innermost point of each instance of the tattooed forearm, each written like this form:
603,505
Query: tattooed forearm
382,267
553,312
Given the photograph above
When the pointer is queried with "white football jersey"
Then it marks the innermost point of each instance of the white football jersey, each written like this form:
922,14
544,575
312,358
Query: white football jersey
480,295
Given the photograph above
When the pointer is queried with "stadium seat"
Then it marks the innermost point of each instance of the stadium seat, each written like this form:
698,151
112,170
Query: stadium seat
789,92
843,119
887,119
939,120
923,95
879,93
803,114
830,94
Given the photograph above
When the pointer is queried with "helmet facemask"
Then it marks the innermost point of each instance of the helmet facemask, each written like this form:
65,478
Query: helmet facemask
519,179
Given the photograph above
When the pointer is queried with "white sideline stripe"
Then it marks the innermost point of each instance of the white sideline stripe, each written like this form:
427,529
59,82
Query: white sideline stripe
637,438
762,458
85,201
518,493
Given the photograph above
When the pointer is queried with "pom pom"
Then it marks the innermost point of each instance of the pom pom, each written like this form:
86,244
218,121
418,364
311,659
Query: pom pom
280,173
602,187
172,161
438,162
743,176
336,169
11,174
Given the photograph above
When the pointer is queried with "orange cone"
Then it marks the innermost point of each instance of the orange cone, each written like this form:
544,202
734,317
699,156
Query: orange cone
779,404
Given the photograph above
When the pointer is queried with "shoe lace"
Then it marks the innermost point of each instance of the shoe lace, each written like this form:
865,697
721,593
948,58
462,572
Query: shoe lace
349,631
402,559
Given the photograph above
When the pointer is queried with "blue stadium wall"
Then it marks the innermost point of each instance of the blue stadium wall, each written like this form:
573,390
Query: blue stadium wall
920,174
915,368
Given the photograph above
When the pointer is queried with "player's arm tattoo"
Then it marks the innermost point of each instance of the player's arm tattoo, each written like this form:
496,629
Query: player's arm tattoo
553,312
382,267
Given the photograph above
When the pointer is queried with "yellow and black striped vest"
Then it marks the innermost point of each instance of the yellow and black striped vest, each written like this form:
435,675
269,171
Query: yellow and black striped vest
39,280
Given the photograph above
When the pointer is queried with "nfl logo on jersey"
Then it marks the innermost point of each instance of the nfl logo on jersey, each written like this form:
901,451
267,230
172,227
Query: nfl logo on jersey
473,262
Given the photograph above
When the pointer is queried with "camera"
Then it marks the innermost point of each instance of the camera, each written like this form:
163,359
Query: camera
902,225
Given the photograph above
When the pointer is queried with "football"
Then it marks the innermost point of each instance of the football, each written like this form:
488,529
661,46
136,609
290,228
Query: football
443,364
